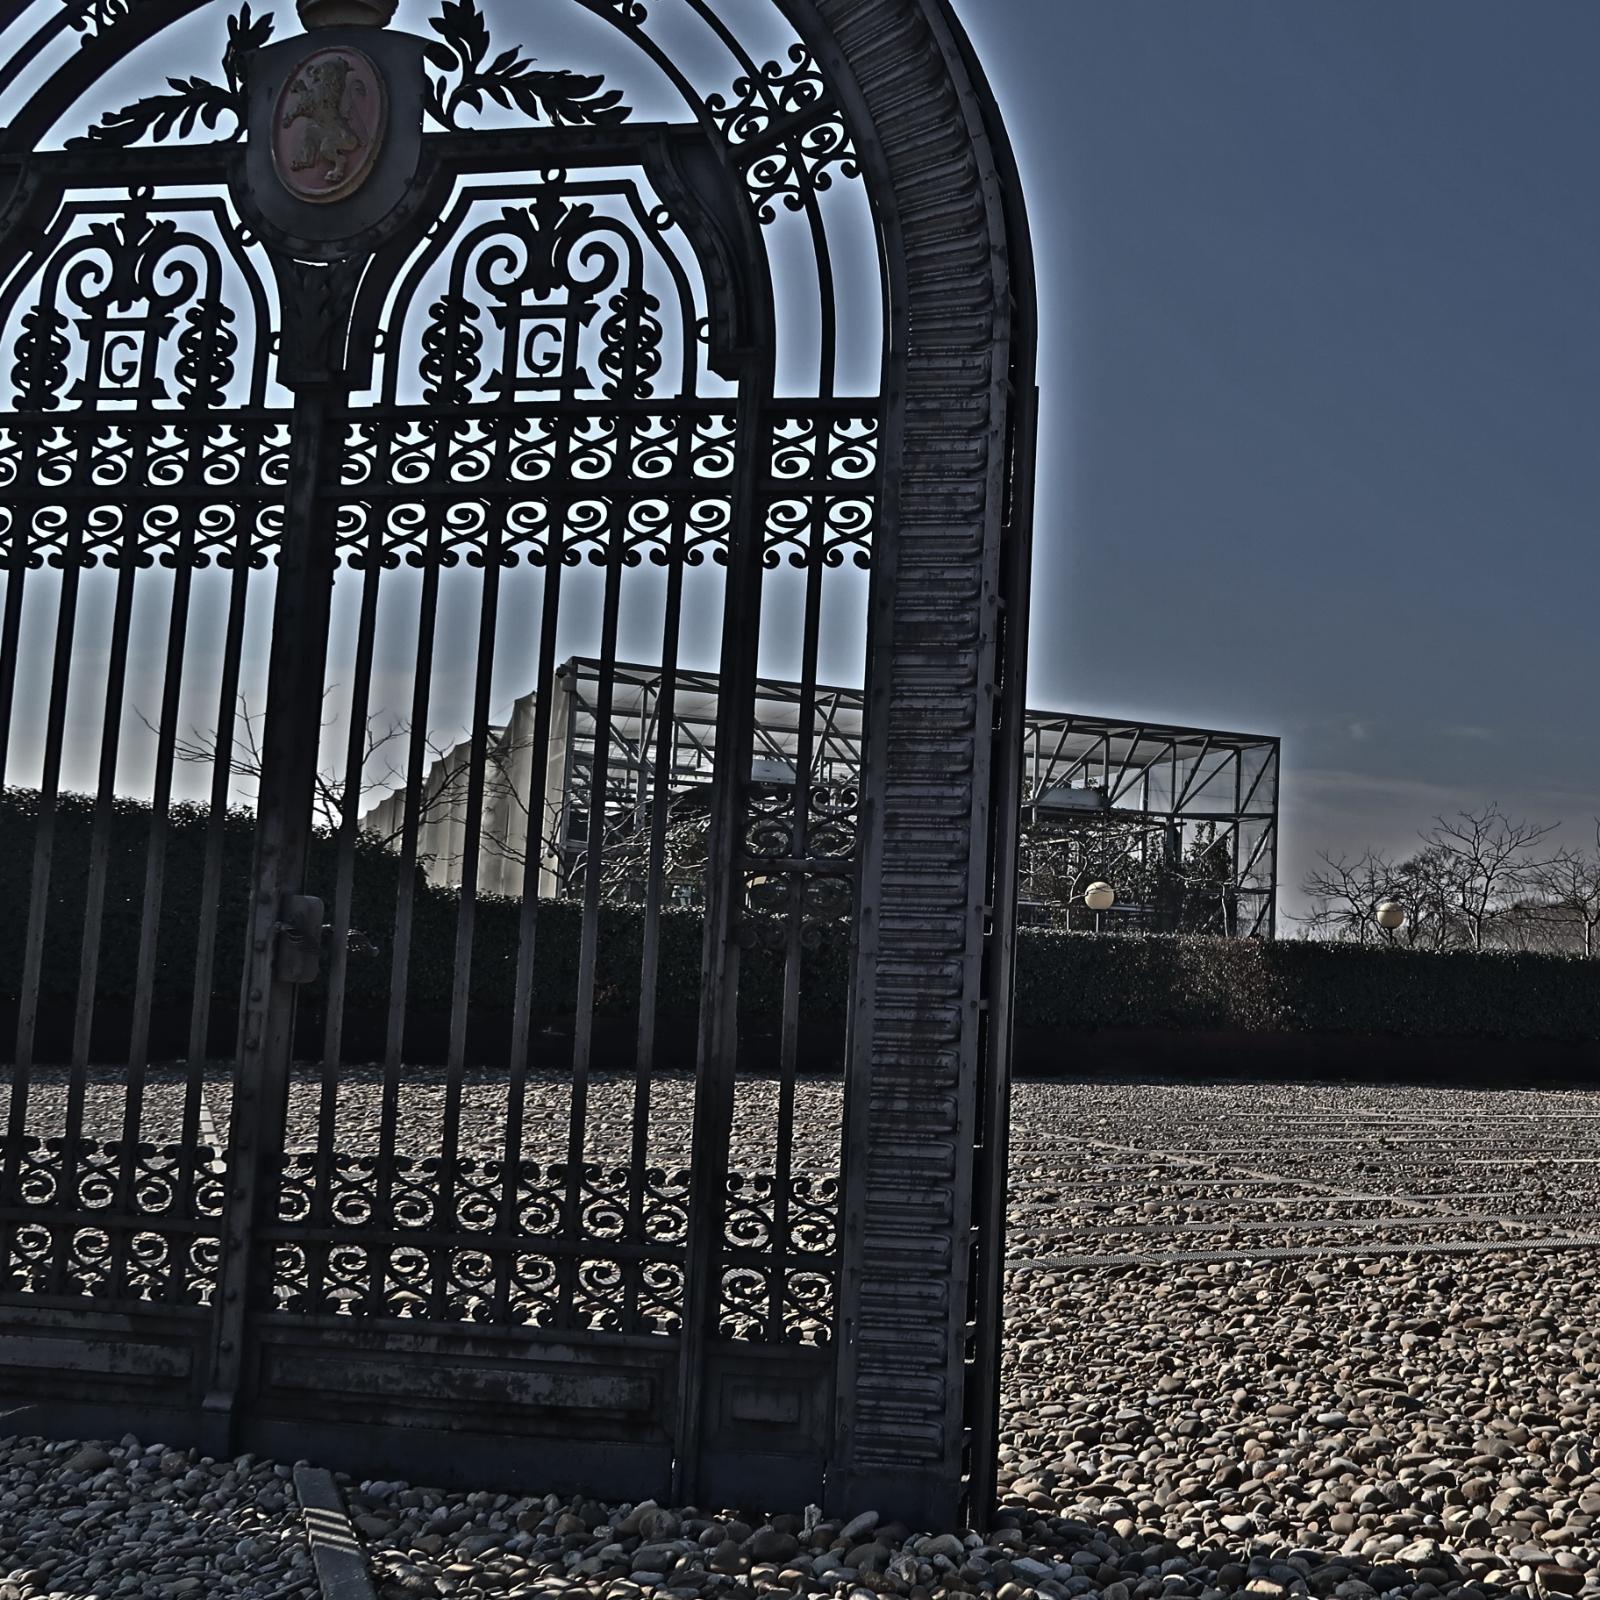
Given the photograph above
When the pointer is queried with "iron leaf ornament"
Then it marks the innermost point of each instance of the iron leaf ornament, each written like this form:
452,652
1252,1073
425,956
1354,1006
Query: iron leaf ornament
468,78
93,17
190,100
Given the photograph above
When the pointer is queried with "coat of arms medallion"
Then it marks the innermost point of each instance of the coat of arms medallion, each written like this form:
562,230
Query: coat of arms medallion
327,127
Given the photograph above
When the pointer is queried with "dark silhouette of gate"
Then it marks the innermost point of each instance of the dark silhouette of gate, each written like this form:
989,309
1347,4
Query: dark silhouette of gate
361,375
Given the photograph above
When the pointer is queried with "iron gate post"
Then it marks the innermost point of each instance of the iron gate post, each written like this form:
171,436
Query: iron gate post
938,863
255,1136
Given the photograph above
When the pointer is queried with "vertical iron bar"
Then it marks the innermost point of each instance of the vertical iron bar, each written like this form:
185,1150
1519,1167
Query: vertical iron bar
789,1043
350,811
154,879
10,650
461,987
789,1035
207,930
105,801
718,1046
528,920
95,888
655,893
39,889
11,629
589,940
322,1180
415,798
406,893
221,783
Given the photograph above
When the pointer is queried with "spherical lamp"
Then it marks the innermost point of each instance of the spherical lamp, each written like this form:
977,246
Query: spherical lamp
1099,897
1390,916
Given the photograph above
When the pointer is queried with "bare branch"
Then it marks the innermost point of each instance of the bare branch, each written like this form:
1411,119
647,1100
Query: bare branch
1486,861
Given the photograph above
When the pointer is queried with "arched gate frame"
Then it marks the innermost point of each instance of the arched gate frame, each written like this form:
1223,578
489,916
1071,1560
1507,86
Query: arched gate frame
313,322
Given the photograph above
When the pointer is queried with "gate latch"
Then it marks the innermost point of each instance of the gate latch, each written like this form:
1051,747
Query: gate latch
297,957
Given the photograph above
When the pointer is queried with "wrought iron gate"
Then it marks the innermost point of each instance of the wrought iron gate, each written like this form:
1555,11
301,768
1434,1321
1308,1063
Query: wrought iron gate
350,389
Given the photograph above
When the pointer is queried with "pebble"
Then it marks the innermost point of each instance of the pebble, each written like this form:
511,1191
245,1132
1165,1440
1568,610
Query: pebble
80,1521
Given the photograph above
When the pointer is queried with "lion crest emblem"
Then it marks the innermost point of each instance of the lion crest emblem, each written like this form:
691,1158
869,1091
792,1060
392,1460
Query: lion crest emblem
329,122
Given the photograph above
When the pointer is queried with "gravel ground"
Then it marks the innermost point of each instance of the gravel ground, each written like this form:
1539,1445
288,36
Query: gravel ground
1265,1340
1362,1321
81,1521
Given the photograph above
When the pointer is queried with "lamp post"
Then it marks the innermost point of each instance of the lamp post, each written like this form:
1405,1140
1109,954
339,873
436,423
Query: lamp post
1390,915
1099,897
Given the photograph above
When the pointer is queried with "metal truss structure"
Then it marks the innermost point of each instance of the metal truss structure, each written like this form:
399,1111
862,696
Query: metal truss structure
1182,821
353,363
1192,809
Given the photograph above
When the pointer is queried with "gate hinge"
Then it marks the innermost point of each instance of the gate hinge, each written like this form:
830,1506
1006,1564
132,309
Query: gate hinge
297,954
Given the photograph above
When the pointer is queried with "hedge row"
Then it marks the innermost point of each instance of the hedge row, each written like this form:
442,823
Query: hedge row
376,882
1065,982
1070,981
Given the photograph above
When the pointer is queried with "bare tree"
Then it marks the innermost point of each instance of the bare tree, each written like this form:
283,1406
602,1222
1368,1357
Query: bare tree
1486,861
439,791
1424,885
1345,895
1569,890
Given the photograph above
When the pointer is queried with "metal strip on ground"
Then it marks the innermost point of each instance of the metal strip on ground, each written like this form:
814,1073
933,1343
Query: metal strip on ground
1327,1224
1453,1247
335,1550
1027,1207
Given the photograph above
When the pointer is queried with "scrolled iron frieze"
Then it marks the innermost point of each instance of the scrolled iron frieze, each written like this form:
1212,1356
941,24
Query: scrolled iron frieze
105,1229
807,1306
86,1174
225,536
132,459
750,1222
781,1237
626,1276
425,1193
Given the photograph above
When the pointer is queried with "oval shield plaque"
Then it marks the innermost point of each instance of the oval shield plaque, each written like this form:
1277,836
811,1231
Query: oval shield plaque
328,125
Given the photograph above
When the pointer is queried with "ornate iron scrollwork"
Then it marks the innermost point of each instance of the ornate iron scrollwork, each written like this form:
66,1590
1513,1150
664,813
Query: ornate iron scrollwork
191,101
92,17
786,133
541,274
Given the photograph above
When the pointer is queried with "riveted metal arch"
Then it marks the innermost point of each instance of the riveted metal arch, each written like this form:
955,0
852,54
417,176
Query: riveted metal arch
928,1055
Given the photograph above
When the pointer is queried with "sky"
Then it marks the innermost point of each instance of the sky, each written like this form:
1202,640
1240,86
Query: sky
1320,372
1320,376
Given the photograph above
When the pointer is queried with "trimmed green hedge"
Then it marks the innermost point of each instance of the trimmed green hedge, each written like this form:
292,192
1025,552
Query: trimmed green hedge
1065,982
1072,981
376,882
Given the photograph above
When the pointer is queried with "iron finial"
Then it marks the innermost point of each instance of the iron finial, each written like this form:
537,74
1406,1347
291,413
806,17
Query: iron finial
345,13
